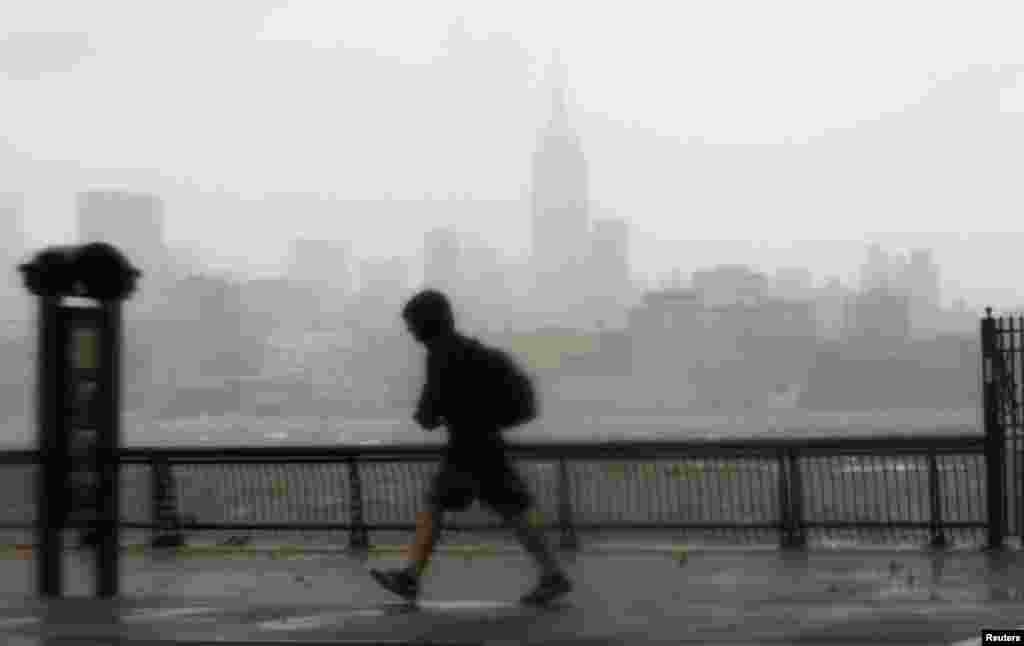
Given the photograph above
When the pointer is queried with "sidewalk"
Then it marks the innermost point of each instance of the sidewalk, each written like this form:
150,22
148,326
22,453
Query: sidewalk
713,596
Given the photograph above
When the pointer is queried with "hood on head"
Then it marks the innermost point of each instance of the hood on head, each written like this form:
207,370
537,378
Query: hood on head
429,315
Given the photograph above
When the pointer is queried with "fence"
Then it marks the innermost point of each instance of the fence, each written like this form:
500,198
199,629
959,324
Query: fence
791,492
1002,346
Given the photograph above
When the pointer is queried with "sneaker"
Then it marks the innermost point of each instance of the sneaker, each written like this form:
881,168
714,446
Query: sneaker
550,588
399,582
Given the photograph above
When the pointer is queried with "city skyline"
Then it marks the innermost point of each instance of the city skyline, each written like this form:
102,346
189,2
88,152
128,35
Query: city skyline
715,253
899,156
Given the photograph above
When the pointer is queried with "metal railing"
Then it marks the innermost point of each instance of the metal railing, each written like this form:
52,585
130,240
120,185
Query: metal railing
1002,344
793,492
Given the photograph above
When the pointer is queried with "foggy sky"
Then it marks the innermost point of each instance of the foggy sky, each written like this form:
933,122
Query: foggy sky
364,100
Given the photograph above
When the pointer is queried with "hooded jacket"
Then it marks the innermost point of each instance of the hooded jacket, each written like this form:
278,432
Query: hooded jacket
450,394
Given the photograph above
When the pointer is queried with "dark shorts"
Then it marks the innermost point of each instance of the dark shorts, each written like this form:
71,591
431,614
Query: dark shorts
487,476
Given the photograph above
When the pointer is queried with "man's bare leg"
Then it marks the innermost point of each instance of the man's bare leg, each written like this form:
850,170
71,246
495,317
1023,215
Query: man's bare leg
428,529
406,582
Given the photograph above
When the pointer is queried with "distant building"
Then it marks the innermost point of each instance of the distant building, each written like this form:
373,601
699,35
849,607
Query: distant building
186,260
751,353
210,317
12,219
779,319
922,281
917,279
201,331
273,305
608,273
324,265
384,275
485,297
441,259
665,330
883,270
731,284
957,321
667,308
875,272
517,286
830,309
14,299
560,231
923,277
383,289
879,316
319,357
794,284
721,355
133,222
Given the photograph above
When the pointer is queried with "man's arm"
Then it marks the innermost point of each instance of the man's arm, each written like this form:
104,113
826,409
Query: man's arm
428,411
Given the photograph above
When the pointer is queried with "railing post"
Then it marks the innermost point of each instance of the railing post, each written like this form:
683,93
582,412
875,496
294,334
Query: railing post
569,539
785,524
938,540
790,500
359,538
166,519
995,437
798,538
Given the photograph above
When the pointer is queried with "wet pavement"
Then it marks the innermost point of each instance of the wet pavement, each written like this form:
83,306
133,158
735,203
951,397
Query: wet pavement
623,596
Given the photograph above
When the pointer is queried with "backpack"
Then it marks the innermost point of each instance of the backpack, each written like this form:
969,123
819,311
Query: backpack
506,392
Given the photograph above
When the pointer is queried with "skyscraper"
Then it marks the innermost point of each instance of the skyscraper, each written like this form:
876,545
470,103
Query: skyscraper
560,231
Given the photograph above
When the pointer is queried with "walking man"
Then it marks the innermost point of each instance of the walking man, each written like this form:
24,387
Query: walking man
459,393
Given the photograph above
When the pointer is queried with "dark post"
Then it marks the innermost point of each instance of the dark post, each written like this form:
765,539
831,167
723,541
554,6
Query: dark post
359,538
108,509
569,539
785,506
164,508
51,505
995,437
79,399
935,493
798,538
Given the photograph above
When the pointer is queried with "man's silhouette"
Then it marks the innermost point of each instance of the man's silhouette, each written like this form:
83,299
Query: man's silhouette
475,464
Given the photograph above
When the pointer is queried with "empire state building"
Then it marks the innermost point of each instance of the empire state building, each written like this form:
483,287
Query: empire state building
561,227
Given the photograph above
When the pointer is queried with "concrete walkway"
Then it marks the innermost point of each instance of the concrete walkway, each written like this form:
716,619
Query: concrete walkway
622,597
